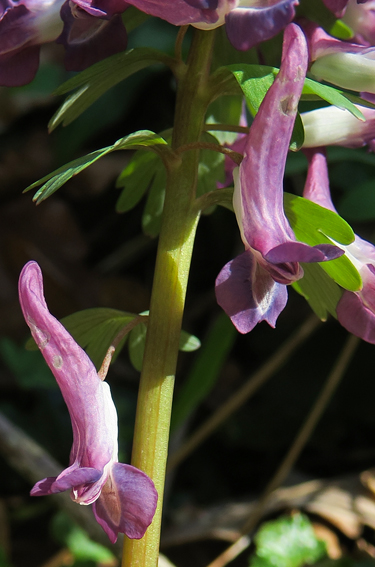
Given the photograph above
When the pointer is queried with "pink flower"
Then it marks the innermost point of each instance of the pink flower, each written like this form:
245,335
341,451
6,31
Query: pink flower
124,498
355,310
252,287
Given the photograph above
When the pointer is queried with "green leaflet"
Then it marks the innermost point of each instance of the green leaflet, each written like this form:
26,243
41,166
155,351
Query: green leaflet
255,80
137,339
314,225
152,213
319,290
92,83
53,181
94,330
69,534
287,542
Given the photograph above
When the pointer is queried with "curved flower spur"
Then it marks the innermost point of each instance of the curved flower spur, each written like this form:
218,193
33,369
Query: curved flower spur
124,498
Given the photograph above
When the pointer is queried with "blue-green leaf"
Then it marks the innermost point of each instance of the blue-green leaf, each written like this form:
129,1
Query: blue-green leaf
89,85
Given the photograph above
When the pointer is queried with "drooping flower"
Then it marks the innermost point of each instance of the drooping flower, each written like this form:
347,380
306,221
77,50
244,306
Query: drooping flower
347,65
355,310
332,126
25,25
124,498
252,287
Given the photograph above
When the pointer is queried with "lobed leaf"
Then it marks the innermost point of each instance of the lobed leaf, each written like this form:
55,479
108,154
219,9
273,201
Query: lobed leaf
53,181
93,82
319,290
314,225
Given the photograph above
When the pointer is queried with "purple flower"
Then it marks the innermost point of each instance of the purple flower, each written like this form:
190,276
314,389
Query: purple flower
124,498
248,22
355,310
252,287
25,25
348,65
332,126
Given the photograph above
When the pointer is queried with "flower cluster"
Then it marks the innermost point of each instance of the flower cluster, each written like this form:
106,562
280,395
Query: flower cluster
91,30
123,498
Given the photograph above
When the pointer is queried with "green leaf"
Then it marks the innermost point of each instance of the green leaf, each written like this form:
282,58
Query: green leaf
53,181
255,80
205,370
94,330
188,342
287,542
137,339
136,179
136,345
319,290
314,225
310,220
331,95
97,79
152,213
69,534
298,134
225,110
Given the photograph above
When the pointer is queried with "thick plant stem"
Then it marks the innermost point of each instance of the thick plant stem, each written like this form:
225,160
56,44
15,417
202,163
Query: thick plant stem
176,240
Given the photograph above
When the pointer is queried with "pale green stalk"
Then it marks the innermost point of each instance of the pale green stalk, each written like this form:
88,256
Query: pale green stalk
176,240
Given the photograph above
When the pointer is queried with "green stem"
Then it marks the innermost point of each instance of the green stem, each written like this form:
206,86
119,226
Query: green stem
150,445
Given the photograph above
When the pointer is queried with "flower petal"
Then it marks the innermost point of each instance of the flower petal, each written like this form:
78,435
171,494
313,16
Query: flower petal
77,477
300,252
177,12
246,27
336,6
127,502
43,487
355,317
248,294
88,38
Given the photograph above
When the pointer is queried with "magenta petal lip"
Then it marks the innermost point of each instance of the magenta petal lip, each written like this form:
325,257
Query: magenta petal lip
248,26
93,474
